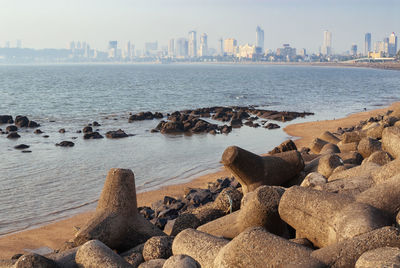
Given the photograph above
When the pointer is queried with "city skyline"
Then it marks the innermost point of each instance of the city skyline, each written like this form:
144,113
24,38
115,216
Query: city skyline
299,23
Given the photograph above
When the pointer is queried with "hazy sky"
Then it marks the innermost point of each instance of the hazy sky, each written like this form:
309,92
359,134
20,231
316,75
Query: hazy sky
54,23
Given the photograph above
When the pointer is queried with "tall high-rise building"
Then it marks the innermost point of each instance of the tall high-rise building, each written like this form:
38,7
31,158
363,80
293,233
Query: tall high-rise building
260,38
192,44
72,45
203,51
353,50
327,44
392,47
181,50
171,48
230,46
127,51
112,49
150,48
367,44
221,46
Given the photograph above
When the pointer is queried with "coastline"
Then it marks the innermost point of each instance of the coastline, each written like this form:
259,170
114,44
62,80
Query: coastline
54,234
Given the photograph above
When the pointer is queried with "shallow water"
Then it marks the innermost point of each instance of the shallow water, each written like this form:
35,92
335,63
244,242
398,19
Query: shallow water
52,182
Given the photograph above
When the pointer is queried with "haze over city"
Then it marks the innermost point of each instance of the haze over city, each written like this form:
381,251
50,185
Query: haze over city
53,24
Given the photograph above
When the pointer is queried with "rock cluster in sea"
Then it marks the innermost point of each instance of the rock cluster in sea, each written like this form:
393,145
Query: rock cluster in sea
333,204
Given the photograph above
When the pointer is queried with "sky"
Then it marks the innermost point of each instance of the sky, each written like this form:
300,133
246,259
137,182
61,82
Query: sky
54,23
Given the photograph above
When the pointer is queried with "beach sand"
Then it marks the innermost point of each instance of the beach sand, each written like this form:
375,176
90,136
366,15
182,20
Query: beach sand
53,235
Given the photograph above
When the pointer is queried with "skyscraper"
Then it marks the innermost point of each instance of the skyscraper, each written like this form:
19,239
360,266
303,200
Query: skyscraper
353,50
367,44
260,38
203,45
230,45
171,48
181,50
392,47
192,44
327,45
221,46
112,49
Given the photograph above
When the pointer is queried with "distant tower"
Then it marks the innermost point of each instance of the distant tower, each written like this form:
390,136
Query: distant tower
171,48
327,45
192,44
181,50
367,44
221,46
112,49
392,49
230,46
72,45
203,45
353,50
260,38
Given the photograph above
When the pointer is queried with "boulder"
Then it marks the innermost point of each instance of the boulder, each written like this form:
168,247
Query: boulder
391,141
181,261
329,137
117,222
66,144
11,128
347,252
158,247
380,157
6,119
92,135
94,254
316,145
200,246
21,121
87,129
367,146
253,171
13,135
379,258
327,218
184,221
328,163
116,134
256,247
33,260
259,208
285,146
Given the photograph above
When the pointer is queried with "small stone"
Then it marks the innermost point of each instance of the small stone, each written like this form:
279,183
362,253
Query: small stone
21,147
62,130
38,131
13,135
66,144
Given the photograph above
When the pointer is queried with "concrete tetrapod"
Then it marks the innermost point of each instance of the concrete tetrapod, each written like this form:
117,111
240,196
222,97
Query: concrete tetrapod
252,170
327,218
259,208
117,222
255,247
200,246
346,253
391,141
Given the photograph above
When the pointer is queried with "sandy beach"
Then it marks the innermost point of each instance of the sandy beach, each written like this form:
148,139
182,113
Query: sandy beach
54,234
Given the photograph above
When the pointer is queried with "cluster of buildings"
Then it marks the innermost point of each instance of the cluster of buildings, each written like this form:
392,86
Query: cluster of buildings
196,48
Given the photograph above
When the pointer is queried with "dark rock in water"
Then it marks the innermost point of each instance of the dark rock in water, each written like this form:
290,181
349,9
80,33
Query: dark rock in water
21,147
38,131
226,129
26,151
46,136
154,130
285,146
62,130
249,123
33,124
96,124
87,129
92,135
74,138
116,134
6,119
21,121
13,135
11,128
271,126
33,260
172,127
236,123
66,144
144,116
79,131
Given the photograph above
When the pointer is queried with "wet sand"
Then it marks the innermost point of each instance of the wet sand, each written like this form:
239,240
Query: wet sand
54,234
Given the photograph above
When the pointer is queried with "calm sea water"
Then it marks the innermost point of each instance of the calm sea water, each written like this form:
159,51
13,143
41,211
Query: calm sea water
51,182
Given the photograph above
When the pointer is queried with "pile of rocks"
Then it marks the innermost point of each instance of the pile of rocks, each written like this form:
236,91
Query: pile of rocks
189,121
20,122
334,204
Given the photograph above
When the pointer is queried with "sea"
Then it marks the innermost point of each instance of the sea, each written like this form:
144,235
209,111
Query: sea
52,183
